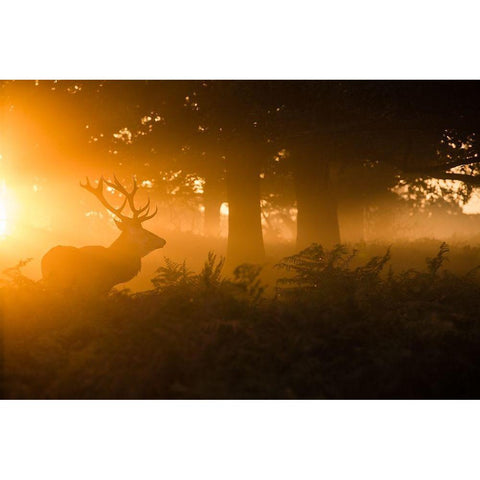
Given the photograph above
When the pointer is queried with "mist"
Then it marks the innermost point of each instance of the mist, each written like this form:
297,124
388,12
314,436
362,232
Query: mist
193,146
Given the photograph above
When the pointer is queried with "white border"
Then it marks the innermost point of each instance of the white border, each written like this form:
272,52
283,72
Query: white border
240,440
213,39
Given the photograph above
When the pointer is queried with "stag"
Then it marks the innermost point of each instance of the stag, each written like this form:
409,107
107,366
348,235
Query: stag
96,269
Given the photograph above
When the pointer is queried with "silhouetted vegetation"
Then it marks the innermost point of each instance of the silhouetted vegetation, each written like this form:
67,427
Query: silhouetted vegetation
334,326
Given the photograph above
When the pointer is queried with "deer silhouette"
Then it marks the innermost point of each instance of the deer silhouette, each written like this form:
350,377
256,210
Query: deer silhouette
96,269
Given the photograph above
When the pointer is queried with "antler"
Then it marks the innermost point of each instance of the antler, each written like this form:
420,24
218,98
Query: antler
129,197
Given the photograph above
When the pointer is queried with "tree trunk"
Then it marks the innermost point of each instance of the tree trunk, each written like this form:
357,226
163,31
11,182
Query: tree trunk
317,218
245,239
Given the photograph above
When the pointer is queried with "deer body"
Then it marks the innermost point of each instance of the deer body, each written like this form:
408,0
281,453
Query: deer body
97,269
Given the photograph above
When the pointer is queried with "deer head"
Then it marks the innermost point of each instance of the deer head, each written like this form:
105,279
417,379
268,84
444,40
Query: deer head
134,239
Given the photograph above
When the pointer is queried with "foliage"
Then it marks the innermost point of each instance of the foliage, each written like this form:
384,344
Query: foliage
172,273
435,263
340,326
175,278
246,276
14,275
177,275
211,275
319,274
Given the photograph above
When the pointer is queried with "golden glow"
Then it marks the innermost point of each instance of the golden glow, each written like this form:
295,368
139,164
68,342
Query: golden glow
124,134
148,183
472,207
437,189
47,152
3,221
198,184
224,209
5,210
93,213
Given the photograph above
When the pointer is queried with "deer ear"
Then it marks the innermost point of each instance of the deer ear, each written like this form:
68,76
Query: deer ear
120,225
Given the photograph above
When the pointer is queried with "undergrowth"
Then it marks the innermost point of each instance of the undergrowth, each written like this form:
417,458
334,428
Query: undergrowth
328,329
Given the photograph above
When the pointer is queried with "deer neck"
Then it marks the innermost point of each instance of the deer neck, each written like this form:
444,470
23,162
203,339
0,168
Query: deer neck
124,257
126,246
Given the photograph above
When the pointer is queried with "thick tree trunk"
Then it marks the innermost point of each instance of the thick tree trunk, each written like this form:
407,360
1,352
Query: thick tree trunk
245,239
317,218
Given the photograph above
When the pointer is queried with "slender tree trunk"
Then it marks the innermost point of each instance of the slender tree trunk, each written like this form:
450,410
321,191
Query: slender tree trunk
245,239
317,217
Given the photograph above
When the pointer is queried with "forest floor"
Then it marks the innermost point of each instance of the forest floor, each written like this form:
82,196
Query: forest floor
378,323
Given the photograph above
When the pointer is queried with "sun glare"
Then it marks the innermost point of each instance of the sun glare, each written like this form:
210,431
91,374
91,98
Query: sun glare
472,207
3,210
224,209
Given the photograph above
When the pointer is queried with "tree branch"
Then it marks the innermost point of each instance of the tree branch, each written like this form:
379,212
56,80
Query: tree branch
473,180
440,168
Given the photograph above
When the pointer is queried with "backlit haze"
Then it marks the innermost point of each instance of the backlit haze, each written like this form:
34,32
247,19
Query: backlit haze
54,134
